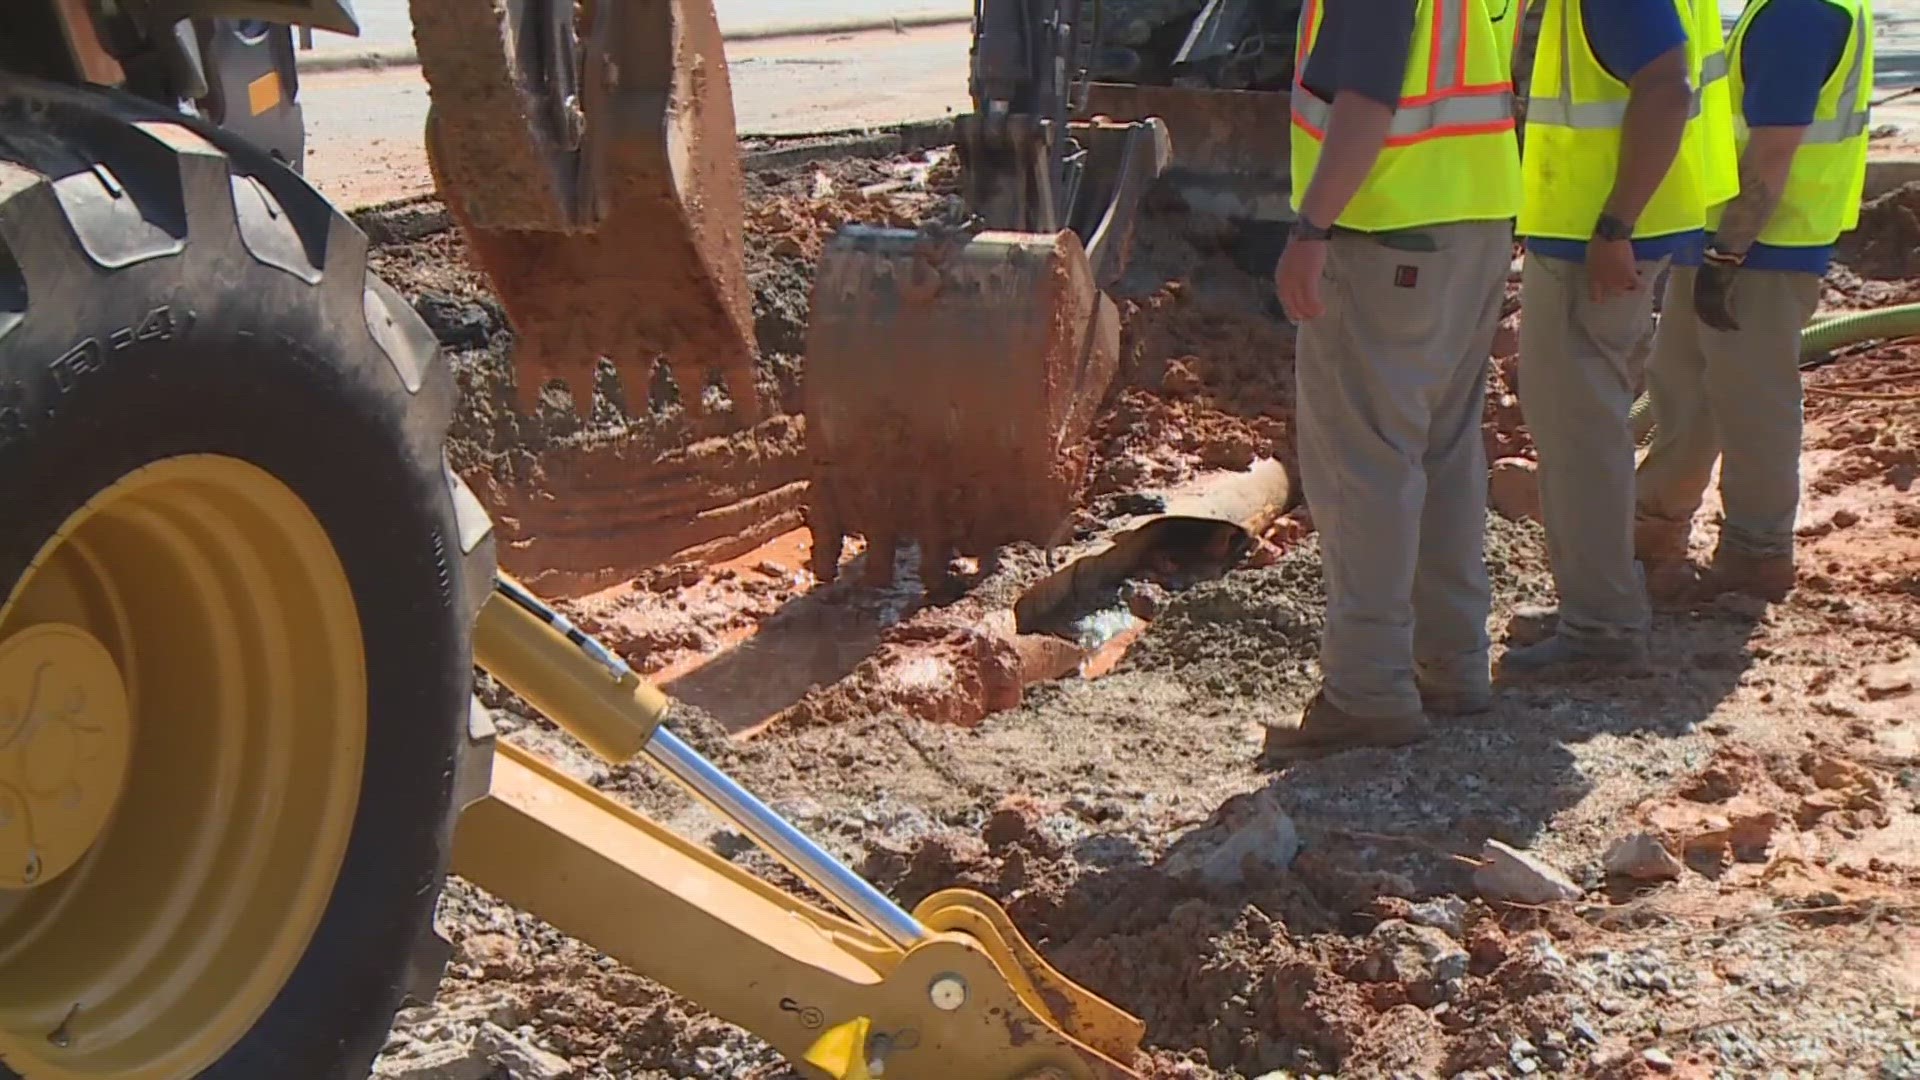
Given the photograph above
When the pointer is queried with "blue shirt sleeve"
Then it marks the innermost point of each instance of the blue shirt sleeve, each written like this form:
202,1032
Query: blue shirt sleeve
1788,52
1627,35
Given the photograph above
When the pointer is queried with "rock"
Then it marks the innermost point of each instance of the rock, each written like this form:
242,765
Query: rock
521,1059
1247,829
414,1060
1513,489
1753,826
1691,829
1642,857
1818,805
1017,821
1845,519
1884,681
494,954
1532,623
1180,380
459,324
1424,960
1657,1059
1506,340
1448,913
1509,874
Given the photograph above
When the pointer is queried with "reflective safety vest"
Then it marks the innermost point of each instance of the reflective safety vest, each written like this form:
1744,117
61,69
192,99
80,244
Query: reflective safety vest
1508,17
1450,153
1575,111
1829,172
1707,45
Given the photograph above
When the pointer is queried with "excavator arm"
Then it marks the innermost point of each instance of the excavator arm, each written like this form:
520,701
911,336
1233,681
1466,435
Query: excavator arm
949,990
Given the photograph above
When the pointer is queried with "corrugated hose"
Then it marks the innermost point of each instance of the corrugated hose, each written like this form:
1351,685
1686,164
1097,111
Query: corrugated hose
1821,337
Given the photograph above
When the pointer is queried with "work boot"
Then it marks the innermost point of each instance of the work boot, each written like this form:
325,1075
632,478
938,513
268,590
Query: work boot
1769,577
1459,692
1661,548
1563,659
1325,728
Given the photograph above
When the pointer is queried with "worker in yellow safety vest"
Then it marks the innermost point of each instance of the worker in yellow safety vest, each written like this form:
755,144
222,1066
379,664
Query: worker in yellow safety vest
1724,383
1406,177
1623,159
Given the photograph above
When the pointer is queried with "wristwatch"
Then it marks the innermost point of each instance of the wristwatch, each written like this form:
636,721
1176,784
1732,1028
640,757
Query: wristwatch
1302,229
1610,227
1716,256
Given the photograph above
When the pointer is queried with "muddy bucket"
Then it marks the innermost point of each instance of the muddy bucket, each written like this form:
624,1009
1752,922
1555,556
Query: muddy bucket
951,380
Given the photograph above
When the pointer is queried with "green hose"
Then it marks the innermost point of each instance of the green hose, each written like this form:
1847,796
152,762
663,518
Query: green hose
1821,336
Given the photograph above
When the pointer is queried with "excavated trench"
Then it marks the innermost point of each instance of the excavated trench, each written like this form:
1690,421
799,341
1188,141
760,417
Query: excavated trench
1078,743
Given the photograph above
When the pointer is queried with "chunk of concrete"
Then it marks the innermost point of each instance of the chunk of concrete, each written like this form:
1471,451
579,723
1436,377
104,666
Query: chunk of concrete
1513,488
1447,913
415,1060
1642,857
519,1057
1507,873
1424,960
1247,830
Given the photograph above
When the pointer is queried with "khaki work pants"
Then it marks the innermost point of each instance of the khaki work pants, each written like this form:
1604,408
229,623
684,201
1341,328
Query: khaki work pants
1580,367
1391,382
1732,396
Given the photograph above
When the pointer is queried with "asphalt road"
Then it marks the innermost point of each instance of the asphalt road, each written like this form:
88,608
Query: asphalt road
384,24
364,127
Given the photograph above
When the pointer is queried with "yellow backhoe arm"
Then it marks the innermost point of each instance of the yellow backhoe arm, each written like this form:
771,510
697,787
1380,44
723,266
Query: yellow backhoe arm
950,990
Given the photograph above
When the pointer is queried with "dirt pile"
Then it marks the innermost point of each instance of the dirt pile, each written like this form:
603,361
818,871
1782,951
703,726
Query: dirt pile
641,475
1886,244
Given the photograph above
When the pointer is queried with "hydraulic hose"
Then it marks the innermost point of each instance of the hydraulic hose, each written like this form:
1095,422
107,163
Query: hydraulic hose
1821,336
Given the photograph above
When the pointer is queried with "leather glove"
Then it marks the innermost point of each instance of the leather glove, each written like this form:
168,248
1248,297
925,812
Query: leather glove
1713,294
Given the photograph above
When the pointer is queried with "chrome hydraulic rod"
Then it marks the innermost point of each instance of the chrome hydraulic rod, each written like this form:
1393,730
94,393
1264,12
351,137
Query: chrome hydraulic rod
586,688
848,890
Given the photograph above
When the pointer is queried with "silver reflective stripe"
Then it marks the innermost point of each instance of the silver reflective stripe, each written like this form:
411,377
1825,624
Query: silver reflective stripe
1561,111
1491,107
1452,13
1713,67
1852,120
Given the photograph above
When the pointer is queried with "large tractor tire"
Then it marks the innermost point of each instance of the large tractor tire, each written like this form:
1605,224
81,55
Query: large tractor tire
236,727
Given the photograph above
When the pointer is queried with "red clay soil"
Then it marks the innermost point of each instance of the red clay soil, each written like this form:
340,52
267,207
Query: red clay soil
1773,758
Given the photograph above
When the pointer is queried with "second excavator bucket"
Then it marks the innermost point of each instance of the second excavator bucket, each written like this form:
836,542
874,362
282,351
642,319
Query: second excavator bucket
587,152
949,383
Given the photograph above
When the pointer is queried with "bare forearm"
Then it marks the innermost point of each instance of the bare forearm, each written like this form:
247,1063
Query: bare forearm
1356,132
1764,167
1650,137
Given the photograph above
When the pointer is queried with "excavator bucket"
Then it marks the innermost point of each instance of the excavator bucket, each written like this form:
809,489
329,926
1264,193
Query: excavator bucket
588,154
949,383
953,373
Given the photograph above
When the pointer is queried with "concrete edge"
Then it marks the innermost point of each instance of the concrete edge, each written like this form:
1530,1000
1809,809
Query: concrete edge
375,59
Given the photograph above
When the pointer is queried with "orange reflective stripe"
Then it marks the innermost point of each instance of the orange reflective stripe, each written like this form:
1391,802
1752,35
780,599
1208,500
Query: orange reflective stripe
1451,106
1303,43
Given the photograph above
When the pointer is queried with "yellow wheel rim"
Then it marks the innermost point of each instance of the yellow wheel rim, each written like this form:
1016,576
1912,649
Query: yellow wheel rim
183,698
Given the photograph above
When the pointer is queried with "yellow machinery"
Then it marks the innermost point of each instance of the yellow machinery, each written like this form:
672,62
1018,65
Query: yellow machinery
244,596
